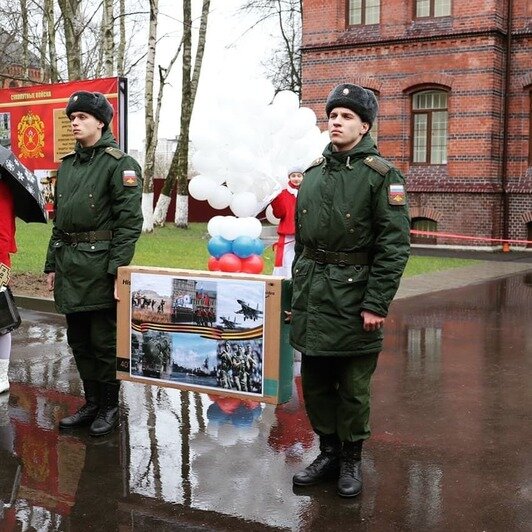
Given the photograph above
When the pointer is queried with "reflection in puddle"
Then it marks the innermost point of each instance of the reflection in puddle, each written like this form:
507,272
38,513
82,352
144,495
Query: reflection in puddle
450,396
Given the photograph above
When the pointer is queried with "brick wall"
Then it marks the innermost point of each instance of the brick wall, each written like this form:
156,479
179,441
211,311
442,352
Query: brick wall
464,54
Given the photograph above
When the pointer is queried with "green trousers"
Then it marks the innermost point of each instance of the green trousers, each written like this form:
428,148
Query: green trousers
92,338
337,394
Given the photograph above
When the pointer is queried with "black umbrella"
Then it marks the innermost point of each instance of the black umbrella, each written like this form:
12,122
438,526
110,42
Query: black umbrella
28,199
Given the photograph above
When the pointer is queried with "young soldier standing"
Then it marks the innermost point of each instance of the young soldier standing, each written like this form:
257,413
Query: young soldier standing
352,245
98,220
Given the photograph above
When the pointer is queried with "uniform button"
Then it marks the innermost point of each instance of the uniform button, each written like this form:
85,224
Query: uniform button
296,271
90,195
304,211
348,215
92,206
350,279
351,230
299,225
60,195
92,247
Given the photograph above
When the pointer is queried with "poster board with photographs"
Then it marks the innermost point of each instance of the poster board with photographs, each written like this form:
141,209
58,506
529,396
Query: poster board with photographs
210,332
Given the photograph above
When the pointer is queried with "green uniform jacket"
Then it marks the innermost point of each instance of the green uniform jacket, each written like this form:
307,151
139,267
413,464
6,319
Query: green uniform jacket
344,205
92,195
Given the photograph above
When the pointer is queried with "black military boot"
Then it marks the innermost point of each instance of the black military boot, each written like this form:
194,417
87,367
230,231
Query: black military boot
107,418
350,481
87,413
325,466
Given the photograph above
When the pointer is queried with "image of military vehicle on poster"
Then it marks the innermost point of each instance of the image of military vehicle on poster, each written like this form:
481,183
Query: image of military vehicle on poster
151,354
240,305
248,311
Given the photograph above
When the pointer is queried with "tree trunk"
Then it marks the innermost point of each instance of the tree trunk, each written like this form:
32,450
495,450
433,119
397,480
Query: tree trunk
70,9
151,135
147,212
52,52
179,167
108,38
25,39
121,54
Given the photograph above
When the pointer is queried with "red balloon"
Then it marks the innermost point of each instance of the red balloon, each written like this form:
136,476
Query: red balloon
253,264
213,264
229,262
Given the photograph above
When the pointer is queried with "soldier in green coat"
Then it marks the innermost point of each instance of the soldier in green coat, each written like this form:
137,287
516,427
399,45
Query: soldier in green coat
98,220
352,245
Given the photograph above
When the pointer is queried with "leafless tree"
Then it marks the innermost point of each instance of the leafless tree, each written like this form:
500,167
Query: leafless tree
178,172
284,66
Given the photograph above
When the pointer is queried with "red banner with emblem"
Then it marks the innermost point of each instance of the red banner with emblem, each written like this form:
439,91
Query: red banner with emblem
33,124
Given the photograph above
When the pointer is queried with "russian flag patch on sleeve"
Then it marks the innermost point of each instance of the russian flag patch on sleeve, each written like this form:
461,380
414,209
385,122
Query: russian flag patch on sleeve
396,194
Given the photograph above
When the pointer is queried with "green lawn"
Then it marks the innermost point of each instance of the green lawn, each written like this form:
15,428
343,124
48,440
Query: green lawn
176,248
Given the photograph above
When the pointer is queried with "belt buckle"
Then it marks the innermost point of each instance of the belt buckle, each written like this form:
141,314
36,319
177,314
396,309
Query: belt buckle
342,262
320,256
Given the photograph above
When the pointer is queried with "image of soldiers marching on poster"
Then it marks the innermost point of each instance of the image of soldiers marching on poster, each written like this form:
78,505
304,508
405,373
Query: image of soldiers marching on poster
202,332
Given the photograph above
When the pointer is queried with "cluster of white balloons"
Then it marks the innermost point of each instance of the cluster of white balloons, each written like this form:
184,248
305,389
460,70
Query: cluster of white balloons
246,141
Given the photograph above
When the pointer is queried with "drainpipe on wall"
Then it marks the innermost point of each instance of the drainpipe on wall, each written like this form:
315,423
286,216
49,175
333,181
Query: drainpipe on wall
506,107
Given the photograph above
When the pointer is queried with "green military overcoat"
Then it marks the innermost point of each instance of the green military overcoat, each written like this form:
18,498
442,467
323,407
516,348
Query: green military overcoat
93,193
346,203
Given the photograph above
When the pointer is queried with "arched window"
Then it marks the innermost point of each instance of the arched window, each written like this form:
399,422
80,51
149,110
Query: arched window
429,123
423,224
362,12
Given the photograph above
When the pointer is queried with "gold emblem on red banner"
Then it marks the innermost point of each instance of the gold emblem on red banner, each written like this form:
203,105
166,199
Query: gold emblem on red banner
31,136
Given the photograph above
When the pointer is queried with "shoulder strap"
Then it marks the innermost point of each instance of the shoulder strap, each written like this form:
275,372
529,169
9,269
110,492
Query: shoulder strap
314,163
115,152
378,164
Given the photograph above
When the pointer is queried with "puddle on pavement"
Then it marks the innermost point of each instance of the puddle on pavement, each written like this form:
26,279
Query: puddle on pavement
448,450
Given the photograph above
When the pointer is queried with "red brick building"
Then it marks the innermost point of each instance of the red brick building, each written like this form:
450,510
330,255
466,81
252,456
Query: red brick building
454,84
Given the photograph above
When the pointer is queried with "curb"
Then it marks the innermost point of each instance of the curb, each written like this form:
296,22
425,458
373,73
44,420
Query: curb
38,304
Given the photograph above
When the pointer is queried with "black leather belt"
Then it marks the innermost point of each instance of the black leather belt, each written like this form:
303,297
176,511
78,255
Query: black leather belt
87,236
340,258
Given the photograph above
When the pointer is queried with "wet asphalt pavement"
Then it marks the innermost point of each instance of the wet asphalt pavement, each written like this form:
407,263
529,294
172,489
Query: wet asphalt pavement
450,448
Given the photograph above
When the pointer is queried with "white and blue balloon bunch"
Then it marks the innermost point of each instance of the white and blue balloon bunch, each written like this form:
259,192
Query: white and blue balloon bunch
235,245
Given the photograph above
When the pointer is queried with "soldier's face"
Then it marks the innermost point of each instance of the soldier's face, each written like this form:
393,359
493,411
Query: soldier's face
345,129
86,129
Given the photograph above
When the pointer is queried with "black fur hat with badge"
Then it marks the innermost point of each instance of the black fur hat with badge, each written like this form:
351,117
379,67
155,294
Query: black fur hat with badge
360,100
93,103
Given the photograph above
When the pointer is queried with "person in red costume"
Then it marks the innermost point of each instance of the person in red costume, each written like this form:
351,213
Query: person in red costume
283,207
7,247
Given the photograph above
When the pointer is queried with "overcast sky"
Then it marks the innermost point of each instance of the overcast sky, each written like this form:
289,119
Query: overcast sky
227,45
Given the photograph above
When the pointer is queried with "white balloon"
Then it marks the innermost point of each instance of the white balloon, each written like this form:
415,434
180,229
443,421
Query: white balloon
200,187
241,160
251,227
206,163
239,182
287,100
220,197
214,226
244,204
229,228
270,217
302,122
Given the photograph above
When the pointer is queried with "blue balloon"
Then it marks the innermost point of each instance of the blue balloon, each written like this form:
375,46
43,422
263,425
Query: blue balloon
258,246
243,246
219,246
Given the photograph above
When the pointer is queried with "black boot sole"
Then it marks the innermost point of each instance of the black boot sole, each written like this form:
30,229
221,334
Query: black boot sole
349,495
333,475
77,425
